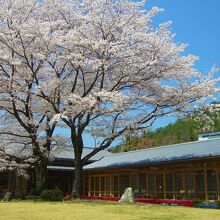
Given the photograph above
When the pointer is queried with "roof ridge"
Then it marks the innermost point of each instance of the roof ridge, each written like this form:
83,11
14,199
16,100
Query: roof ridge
165,146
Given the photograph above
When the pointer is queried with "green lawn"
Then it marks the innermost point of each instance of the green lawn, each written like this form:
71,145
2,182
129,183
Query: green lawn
91,210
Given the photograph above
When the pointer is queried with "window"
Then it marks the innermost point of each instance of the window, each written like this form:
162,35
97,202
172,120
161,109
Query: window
107,185
92,185
86,185
189,185
200,189
199,181
102,185
116,188
124,183
178,181
96,186
190,181
151,182
160,186
212,184
211,180
134,182
151,185
169,185
142,183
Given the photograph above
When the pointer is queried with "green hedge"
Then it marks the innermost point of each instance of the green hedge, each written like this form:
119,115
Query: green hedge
52,195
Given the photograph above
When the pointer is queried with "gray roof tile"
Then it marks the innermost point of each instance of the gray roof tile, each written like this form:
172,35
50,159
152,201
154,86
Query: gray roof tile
190,150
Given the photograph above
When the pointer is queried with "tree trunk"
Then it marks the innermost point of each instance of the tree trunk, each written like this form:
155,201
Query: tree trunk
40,177
78,176
77,142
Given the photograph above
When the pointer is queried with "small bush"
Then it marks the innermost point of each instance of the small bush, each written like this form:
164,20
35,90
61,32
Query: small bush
196,202
35,192
45,195
20,195
218,201
75,196
52,195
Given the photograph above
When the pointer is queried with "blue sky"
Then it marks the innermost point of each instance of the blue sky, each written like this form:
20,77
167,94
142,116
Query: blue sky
196,23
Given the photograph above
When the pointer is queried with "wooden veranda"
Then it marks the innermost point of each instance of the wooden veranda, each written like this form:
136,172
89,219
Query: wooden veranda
187,179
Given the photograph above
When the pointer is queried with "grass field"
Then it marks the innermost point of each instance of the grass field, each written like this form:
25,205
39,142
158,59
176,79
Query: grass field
91,210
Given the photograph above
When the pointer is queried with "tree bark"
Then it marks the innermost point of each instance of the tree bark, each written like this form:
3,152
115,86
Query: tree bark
40,177
77,142
78,176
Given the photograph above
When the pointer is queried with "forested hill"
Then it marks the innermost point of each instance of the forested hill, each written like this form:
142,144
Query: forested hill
181,131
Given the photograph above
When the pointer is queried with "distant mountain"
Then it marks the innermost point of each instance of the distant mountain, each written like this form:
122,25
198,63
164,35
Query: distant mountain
184,130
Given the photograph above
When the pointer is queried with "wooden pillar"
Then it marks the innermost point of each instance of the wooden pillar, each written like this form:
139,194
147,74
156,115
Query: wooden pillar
138,182
105,185
183,180
164,185
119,190
173,175
83,184
217,179
206,184
194,178
70,184
155,186
111,185
147,187
89,185
100,178
184,183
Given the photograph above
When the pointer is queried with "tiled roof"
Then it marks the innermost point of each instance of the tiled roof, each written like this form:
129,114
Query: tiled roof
67,152
190,150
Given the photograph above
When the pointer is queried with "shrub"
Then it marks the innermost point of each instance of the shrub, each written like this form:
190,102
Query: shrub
52,195
35,192
45,195
20,195
75,196
197,202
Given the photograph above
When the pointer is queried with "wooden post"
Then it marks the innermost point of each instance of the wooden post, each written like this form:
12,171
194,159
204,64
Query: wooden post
84,184
174,190
155,184
138,182
105,185
147,190
119,190
194,179
100,179
111,185
184,182
206,184
217,179
164,185
89,186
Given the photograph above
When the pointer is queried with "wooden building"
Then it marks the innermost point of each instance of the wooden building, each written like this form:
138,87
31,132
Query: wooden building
182,171
60,172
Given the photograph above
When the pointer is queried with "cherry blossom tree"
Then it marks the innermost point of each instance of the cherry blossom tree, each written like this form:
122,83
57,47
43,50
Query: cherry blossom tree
24,120
15,161
98,67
